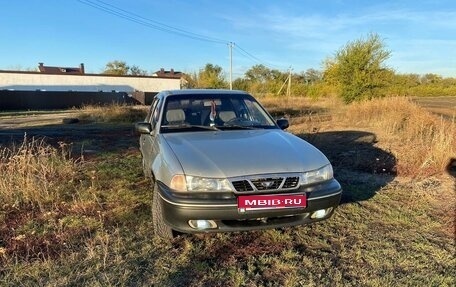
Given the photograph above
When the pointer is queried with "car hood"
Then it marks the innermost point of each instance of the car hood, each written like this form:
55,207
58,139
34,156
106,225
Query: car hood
222,154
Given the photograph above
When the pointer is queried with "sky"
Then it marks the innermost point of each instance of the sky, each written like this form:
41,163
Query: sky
186,35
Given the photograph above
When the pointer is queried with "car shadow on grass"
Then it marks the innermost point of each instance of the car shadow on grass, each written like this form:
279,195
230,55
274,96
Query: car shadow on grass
359,165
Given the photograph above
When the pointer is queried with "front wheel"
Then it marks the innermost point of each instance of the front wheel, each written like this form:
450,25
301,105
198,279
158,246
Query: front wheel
160,228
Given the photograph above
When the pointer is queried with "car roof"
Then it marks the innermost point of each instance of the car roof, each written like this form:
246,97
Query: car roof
202,92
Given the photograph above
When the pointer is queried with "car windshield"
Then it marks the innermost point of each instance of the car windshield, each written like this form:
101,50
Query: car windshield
214,112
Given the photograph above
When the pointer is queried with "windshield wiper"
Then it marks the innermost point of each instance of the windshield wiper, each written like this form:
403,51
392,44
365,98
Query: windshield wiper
233,127
188,126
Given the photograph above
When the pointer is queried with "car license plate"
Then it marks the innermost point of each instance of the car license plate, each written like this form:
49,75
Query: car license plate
255,202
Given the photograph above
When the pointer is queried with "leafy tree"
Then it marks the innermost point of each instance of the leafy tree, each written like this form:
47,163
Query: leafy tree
358,70
262,74
137,71
190,80
431,79
258,73
211,76
116,68
241,84
312,76
262,80
121,68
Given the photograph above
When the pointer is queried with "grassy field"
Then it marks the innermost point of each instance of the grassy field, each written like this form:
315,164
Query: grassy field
75,211
442,106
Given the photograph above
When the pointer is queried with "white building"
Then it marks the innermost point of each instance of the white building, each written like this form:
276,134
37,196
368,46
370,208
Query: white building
60,87
32,81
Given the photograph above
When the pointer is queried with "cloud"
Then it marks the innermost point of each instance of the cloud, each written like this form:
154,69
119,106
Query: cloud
419,37
320,26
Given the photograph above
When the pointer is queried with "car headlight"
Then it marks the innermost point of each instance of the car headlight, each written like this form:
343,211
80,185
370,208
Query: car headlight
318,175
183,183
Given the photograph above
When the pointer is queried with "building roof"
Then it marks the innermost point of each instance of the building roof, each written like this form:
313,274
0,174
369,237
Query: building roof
61,70
168,74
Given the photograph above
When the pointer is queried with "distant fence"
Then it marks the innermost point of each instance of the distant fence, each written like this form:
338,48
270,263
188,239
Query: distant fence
48,100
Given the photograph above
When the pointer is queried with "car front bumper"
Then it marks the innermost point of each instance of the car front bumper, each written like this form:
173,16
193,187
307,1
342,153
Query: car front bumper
177,211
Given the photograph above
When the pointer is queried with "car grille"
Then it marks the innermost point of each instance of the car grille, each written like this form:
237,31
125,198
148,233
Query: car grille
266,183
291,182
242,185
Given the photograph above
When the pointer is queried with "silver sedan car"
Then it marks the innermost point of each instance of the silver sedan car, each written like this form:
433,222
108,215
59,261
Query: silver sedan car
219,162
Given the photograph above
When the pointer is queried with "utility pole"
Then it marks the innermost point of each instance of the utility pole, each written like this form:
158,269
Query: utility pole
289,82
230,45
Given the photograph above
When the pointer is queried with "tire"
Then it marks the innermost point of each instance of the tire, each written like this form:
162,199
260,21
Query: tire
160,228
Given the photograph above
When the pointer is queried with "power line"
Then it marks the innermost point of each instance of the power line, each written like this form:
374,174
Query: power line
248,54
165,25
119,12
254,58
138,19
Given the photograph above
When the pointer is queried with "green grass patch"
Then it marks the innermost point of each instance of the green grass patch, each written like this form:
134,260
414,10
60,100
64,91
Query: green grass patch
103,237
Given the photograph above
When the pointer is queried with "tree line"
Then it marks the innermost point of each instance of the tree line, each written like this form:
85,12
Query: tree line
356,71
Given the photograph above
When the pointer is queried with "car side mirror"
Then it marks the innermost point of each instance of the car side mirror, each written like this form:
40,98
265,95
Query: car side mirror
283,123
143,128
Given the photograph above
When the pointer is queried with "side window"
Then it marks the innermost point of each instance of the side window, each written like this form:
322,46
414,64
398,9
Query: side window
152,108
156,114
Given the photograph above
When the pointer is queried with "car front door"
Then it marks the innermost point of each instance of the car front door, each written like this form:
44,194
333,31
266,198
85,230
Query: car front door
148,141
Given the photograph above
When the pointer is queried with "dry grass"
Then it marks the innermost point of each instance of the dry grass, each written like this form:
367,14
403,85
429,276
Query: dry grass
423,143
42,213
35,174
52,205
449,112
444,106
299,104
114,113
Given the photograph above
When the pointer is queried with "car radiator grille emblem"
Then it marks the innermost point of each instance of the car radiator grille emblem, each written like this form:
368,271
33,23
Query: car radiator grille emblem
266,184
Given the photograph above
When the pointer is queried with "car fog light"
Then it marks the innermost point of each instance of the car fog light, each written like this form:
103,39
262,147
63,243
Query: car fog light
321,213
201,224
